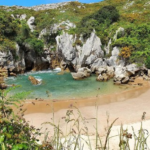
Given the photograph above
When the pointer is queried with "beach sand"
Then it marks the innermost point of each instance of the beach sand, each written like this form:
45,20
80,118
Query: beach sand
127,106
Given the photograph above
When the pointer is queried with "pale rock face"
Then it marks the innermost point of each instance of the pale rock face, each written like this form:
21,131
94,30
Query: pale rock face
122,74
98,63
91,46
110,71
105,73
30,23
6,60
128,4
121,31
65,46
23,17
132,69
20,63
107,48
12,15
113,60
101,70
77,55
90,60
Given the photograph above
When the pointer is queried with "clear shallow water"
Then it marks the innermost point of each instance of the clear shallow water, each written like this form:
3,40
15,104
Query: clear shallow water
61,86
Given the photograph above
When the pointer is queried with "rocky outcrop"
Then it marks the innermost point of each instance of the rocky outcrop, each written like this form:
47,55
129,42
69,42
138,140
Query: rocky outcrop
91,46
27,60
31,22
120,31
65,48
114,60
98,64
102,77
81,73
34,81
78,55
40,7
105,73
107,48
123,74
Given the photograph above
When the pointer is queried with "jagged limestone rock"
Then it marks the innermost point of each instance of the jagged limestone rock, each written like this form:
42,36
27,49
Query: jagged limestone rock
23,17
79,56
119,31
98,63
114,60
107,48
91,46
31,22
65,48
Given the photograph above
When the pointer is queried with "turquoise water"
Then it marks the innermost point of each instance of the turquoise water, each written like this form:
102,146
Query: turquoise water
61,86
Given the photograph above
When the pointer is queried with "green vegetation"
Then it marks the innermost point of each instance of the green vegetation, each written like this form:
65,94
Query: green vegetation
15,131
105,17
99,20
147,62
35,44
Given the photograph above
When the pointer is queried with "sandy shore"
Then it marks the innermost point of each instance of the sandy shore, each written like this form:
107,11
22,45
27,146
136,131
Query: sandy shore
127,106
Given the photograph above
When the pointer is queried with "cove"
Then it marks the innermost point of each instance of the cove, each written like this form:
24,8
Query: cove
62,87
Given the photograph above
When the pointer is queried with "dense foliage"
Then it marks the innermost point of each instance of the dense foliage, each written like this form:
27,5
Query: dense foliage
102,18
15,131
35,44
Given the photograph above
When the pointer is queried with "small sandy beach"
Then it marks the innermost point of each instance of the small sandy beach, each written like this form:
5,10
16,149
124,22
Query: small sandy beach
127,106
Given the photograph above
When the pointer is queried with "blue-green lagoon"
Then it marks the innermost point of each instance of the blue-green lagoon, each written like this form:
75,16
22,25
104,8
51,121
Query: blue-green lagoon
61,86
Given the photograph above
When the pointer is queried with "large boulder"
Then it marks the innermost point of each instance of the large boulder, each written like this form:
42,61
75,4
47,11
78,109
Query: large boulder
34,81
105,73
132,69
121,75
102,77
81,73
110,72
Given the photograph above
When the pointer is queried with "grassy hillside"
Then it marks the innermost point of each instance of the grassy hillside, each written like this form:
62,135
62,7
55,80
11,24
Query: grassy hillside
133,16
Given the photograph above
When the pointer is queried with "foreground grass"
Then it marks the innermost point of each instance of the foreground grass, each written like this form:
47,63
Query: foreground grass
17,134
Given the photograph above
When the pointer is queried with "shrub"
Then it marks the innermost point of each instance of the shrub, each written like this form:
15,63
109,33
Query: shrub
126,51
36,45
147,62
15,131
7,45
107,14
